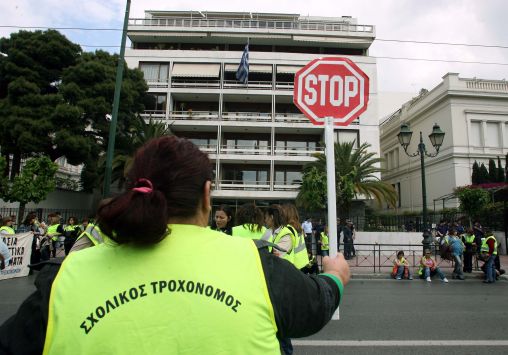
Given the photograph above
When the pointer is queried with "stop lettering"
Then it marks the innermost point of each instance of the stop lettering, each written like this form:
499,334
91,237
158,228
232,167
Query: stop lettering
331,87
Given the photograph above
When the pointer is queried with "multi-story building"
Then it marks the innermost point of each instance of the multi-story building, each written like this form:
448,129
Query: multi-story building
473,113
254,134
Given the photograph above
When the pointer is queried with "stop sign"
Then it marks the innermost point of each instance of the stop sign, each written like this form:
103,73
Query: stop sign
331,87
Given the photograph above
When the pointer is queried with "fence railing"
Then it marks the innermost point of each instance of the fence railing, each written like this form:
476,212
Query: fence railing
380,258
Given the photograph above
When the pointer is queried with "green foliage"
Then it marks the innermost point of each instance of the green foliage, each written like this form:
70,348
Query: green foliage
483,177
492,171
66,183
54,100
36,180
90,85
472,201
355,171
312,195
4,186
137,135
475,176
500,171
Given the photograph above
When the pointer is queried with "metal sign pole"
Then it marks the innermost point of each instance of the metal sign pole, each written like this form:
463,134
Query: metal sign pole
330,188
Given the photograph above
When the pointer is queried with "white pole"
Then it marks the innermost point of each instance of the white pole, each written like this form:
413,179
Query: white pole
330,188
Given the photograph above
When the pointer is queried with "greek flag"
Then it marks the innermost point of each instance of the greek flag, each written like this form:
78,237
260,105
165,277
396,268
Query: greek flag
242,74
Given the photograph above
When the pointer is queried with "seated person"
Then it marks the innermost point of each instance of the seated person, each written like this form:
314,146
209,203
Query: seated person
401,267
428,268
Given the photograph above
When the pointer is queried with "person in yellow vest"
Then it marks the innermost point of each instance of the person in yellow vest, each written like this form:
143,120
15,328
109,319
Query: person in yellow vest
90,237
55,230
278,233
223,219
468,239
401,267
71,232
324,241
301,258
166,284
6,227
249,222
488,251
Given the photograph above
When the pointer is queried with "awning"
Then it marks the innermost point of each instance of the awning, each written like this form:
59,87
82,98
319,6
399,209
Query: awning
253,68
288,69
195,70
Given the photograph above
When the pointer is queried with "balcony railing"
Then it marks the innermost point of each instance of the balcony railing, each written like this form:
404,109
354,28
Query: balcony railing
291,118
189,83
157,83
251,85
285,85
253,24
194,115
208,148
247,116
154,114
244,150
298,152
289,187
244,185
498,85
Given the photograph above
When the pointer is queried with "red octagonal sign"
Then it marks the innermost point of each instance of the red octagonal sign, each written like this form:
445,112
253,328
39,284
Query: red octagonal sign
331,87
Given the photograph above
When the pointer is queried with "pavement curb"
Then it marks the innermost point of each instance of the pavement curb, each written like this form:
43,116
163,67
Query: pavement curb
383,276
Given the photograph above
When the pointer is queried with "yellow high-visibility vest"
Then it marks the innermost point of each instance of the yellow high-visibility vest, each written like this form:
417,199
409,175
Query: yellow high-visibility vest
188,294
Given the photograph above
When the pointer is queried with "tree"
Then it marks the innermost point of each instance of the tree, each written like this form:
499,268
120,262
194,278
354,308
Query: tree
472,201
355,171
36,180
89,85
312,194
475,176
500,171
492,171
138,134
483,177
35,117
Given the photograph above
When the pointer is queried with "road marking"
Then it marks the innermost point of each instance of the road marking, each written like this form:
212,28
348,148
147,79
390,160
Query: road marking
399,342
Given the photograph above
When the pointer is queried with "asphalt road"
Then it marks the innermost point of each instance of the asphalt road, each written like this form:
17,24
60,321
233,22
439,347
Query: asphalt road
388,316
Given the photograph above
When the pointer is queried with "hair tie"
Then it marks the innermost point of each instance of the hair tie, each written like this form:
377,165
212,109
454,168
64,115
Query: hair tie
144,186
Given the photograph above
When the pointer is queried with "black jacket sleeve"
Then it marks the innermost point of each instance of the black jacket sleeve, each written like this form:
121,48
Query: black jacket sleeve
25,332
303,304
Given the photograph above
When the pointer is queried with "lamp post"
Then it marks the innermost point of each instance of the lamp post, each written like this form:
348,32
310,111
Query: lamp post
436,138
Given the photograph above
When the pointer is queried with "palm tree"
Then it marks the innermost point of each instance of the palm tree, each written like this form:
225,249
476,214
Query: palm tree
355,171
137,135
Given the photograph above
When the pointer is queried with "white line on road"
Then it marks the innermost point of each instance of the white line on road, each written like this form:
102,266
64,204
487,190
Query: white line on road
399,342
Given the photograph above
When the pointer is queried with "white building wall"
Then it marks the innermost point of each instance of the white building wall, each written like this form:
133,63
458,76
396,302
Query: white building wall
473,114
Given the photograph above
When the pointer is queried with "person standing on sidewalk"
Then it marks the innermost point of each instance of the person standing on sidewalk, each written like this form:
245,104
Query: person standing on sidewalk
347,232
307,230
457,248
469,241
489,252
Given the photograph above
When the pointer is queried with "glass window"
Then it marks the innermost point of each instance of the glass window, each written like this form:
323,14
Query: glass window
476,134
349,136
492,135
154,71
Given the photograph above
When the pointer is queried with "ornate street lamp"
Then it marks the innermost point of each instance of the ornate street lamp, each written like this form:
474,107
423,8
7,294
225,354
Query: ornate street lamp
436,138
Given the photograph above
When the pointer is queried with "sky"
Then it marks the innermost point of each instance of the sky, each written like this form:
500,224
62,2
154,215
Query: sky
471,22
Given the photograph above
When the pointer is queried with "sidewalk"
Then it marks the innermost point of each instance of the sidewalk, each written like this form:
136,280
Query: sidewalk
362,267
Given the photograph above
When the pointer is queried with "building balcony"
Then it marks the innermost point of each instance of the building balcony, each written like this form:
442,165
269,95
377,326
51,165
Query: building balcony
196,83
244,150
240,185
291,118
247,116
263,25
251,85
298,152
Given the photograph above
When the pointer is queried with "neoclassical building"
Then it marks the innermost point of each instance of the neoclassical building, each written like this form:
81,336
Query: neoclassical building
474,115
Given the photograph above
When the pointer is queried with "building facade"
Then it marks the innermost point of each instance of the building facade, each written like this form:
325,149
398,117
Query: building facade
254,134
474,115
